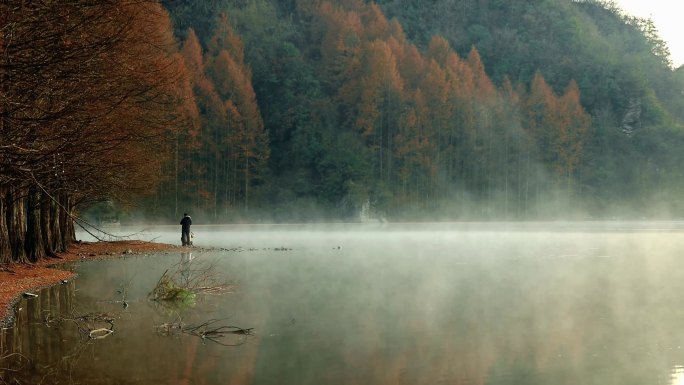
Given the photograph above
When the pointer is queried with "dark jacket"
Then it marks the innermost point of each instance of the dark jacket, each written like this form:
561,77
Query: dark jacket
186,222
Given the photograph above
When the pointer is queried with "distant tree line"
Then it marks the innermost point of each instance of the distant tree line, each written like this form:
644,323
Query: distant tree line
621,65
356,113
451,109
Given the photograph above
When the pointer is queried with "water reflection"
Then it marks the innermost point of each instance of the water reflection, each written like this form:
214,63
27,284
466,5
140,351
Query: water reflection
56,338
34,351
187,257
387,307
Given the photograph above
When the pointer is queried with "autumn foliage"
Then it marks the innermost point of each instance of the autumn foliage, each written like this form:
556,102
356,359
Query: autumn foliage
99,101
225,151
366,116
90,101
434,125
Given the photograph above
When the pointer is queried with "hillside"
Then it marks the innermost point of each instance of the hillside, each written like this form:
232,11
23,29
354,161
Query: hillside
435,109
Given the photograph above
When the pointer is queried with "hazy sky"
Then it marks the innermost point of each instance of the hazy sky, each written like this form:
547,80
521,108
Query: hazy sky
668,20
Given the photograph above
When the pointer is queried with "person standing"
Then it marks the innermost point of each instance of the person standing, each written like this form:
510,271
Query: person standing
185,230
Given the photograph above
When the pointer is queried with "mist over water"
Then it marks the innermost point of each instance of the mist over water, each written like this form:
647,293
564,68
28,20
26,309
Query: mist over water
522,303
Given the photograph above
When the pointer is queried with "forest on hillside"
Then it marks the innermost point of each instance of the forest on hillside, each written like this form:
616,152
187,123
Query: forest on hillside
310,110
407,109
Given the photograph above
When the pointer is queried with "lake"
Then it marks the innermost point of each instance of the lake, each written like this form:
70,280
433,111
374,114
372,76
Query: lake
461,303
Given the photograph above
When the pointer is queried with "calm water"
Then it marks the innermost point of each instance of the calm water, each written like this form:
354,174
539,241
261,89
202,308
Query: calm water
536,303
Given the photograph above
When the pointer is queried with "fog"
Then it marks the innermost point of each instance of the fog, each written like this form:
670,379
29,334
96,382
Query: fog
523,303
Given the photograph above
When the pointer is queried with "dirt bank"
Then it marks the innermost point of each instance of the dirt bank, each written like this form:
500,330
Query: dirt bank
16,279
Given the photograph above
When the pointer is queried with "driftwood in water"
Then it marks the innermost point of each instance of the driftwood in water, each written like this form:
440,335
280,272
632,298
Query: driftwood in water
226,335
183,281
91,325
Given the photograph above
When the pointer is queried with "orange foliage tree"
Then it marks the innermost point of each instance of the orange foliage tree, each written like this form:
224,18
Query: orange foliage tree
224,152
90,101
557,129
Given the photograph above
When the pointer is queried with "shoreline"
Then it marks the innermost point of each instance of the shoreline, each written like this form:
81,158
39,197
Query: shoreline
17,279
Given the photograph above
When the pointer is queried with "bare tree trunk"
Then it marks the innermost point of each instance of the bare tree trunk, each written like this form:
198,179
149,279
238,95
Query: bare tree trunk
46,225
67,234
246,184
33,242
234,184
55,226
5,249
506,166
216,188
227,201
69,224
526,209
16,224
175,181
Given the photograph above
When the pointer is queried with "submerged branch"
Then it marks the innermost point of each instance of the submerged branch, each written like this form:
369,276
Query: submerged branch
89,324
20,360
208,331
184,280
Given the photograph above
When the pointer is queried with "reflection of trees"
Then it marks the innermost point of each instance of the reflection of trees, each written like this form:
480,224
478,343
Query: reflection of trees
41,348
50,342
38,351
561,321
